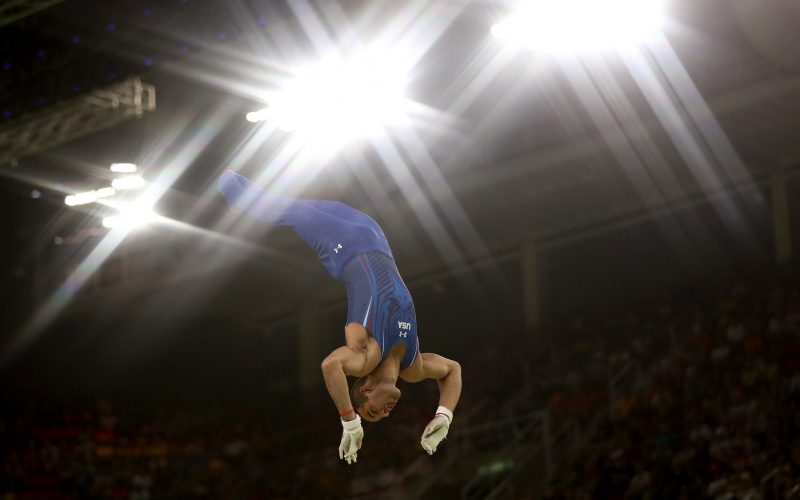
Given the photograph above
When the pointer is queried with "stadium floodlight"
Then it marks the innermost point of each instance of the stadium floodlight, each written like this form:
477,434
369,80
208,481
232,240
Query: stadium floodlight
89,196
105,192
130,216
566,26
80,198
128,182
257,116
340,97
123,168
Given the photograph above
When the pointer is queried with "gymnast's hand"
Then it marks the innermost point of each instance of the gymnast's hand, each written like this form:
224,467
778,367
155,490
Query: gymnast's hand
352,435
436,431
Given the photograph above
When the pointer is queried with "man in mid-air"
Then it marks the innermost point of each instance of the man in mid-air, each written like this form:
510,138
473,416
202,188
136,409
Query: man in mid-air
381,328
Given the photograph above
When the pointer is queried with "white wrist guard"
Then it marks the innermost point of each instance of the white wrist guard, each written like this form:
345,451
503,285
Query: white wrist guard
447,413
349,425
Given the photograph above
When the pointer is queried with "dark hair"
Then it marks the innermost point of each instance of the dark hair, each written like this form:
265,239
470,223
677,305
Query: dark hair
356,396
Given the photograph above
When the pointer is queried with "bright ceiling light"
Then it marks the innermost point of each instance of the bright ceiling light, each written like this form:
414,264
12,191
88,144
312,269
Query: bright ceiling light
340,98
257,116
130,216
565,26
124,221
105,192
123,168
127,182
89,196
80,198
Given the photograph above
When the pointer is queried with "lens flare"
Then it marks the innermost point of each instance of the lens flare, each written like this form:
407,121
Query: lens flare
340,98
567,26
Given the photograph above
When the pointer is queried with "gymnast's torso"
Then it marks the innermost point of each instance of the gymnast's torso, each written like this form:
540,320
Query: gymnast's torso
378,300
353,249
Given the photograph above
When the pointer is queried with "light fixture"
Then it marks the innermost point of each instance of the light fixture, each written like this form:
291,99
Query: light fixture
340,97
105,192
257,116
128,182
123,168
89,196
80,198
130,216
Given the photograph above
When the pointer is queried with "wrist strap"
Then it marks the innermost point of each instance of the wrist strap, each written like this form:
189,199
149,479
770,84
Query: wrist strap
350,425
346,412
447,413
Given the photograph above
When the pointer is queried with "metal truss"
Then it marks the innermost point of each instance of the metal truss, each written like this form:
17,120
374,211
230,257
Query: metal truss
64,122
12,11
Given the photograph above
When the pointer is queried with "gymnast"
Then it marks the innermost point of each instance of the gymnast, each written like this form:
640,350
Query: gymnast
381,327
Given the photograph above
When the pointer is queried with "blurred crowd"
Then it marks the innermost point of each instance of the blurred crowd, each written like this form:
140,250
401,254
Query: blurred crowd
717,417
116,453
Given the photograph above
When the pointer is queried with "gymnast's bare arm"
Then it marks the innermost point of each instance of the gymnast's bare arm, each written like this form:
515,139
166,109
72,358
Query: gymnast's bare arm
357,358
446,373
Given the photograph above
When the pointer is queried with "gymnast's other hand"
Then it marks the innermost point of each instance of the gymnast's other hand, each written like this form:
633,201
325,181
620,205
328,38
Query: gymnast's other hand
436,431
352,435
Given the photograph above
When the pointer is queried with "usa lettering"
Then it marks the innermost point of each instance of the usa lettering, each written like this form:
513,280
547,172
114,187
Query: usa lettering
403,325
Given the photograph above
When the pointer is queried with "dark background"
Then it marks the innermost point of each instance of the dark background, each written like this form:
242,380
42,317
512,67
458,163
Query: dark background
212,320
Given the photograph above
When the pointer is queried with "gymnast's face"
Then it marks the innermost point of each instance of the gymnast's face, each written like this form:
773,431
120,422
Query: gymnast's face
381,399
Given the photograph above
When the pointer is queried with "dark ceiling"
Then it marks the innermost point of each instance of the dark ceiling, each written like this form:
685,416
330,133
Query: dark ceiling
516,152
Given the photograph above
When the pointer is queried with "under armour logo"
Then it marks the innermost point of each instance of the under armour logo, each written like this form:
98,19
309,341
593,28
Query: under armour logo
338,247
403,334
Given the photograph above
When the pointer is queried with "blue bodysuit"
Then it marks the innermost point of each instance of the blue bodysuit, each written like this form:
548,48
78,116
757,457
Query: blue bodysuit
353,249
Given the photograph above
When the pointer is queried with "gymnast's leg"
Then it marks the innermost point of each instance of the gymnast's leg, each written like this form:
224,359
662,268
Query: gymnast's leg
345,212
307,219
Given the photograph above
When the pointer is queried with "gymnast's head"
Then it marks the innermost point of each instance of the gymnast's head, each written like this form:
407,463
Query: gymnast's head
373,400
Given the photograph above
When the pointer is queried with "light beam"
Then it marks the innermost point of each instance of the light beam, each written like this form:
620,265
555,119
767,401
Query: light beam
566,26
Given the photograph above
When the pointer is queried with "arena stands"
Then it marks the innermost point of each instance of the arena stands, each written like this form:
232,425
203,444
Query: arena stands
717,416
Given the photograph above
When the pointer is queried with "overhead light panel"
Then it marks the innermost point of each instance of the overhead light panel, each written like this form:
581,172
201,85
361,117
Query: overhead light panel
105,192
126,221
130,216
89,196
123,168
258,116
80,198
128,182
340,97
